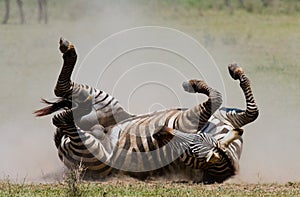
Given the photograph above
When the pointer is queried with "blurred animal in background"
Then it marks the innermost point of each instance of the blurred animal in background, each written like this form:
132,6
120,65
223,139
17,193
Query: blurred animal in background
42,11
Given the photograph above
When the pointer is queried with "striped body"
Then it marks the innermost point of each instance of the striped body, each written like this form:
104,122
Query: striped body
96,132
130,146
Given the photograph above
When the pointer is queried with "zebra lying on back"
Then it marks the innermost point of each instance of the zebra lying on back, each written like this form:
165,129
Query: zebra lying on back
95,131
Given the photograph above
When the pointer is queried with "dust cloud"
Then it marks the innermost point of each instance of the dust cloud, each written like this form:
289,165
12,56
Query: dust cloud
30,63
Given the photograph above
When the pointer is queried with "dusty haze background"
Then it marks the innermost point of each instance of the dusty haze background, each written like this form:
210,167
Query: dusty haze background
266,45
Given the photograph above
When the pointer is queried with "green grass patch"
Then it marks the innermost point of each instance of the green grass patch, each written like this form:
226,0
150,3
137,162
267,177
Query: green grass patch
150,188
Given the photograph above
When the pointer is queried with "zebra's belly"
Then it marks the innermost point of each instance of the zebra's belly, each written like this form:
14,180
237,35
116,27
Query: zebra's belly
137,150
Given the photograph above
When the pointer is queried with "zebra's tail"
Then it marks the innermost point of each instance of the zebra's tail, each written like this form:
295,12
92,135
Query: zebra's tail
53,107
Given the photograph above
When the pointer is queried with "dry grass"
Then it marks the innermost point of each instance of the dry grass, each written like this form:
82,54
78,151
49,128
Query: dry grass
149,188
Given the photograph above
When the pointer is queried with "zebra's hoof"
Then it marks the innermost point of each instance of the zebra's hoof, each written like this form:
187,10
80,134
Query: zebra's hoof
66,46
195,86
188,87
235,71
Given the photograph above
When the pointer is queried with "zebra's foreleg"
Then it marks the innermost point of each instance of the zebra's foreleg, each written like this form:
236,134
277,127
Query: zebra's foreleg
230,137
199,146
241,118
42,11
7,9
199,86
20,5
192,120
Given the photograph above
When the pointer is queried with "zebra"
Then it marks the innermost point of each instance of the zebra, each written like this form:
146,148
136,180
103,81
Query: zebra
96,131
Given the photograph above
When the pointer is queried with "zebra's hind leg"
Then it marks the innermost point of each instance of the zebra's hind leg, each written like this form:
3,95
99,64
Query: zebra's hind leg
64,85
239,118
193,119
78,147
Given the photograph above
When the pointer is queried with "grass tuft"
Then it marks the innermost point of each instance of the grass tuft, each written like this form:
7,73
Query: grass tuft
74,180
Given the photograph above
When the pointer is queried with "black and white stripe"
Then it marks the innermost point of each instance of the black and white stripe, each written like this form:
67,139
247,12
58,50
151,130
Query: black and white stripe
97,132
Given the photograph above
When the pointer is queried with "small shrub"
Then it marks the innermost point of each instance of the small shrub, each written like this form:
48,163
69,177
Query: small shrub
73,180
